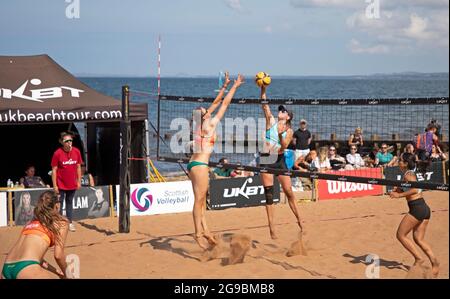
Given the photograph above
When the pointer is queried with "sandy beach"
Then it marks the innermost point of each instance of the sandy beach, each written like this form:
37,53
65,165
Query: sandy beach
339,235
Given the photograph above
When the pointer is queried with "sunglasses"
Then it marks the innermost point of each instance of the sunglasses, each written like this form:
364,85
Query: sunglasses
67,140
332,149
353,148
384,147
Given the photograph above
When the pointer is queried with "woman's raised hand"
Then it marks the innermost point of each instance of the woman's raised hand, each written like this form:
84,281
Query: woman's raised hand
227,80
239,81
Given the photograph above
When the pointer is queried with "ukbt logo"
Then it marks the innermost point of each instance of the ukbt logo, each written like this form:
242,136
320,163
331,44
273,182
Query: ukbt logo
141,199
38,95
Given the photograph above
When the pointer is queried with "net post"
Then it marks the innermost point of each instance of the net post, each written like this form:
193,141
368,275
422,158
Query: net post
125,136
147,148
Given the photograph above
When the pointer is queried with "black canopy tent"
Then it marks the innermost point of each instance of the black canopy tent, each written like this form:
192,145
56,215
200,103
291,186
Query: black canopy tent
39,99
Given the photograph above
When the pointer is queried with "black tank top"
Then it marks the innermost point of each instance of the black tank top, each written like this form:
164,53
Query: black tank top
356,139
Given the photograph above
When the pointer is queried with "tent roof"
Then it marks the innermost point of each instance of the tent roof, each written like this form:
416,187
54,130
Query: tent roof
35,89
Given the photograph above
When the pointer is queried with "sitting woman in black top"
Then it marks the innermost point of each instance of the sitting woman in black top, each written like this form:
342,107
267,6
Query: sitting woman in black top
30,180
86,178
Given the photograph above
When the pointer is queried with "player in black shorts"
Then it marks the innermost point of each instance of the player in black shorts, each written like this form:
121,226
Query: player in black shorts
418,217
278,136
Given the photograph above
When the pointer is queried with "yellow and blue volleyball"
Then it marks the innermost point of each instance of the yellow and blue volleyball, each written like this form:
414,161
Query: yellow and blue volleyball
262,78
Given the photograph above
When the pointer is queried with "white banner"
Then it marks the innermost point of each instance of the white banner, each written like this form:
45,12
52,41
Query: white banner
160,198
3,209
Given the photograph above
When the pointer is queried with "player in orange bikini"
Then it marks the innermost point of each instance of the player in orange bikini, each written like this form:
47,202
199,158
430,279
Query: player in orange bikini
204,138
47,229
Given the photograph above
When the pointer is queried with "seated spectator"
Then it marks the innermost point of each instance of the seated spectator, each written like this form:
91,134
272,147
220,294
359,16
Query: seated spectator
337,162
305,164
322,162
356,139
86,178
32,181
370,159
241,173
221,172
409,148
384,158
354,159
437,154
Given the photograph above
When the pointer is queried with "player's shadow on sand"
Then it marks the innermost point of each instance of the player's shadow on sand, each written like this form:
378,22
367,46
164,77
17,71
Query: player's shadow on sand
383,263
96,228
163,243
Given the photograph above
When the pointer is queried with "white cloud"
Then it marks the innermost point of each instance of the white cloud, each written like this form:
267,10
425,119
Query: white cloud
268,29
402,24
356,47
418,29
234,5
387,4
402,29
327,3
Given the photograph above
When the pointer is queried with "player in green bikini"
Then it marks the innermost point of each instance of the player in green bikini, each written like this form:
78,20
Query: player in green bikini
204,138
47,229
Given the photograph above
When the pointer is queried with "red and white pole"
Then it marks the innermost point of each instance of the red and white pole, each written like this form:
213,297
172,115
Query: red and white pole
159,65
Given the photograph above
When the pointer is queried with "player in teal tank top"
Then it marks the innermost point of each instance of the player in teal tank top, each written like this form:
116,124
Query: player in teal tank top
278,136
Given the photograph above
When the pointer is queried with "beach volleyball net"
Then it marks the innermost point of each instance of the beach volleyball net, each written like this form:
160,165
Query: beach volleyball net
240,134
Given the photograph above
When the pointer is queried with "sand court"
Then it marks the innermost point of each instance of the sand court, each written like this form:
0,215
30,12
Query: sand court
339,235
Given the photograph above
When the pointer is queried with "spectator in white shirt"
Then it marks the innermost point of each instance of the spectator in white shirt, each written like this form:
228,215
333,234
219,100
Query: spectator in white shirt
354,159
322,162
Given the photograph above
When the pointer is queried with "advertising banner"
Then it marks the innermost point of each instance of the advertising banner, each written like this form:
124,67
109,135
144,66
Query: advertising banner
88,202
3,209
342,189
161,198
239,192
433,174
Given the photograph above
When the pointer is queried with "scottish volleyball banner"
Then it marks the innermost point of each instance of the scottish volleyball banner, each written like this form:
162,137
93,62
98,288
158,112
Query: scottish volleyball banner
3,209
342,189
161,198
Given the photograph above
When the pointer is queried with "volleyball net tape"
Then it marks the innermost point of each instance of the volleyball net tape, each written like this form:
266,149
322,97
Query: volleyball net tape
240,133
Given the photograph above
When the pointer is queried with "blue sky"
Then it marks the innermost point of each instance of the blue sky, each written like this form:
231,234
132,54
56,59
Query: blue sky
202,37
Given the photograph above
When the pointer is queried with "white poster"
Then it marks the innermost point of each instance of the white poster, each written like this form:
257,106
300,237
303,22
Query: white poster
160,198
3,209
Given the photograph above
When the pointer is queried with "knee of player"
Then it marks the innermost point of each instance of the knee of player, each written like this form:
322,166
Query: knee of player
268,193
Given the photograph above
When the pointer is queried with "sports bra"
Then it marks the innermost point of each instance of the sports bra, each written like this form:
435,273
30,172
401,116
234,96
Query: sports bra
405,189
36,228
204,140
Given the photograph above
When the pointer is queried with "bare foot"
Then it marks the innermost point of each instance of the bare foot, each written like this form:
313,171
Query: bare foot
418,262
300,226
198,238
273,235
435,268
211,239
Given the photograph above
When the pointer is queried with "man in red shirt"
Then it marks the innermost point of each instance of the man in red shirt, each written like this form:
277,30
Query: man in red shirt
66,173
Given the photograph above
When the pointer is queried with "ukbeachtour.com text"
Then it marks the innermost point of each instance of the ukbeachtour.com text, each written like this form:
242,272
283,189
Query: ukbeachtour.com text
16,116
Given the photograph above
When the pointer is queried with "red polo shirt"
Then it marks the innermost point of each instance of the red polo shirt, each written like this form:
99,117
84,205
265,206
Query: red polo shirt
66,175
